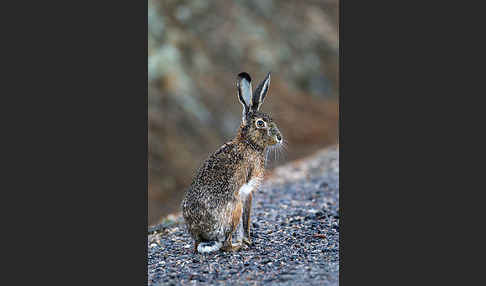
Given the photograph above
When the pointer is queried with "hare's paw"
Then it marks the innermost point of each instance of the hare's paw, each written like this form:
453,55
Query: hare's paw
231,247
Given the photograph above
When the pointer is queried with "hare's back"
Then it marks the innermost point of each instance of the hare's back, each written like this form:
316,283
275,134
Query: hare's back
216,177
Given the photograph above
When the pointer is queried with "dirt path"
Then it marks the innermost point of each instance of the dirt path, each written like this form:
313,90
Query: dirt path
295,235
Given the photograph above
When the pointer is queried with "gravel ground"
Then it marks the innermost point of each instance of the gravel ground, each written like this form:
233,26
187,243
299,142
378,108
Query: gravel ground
295,235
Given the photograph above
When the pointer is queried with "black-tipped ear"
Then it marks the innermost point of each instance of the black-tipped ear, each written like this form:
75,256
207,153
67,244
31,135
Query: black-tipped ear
243,85
260,93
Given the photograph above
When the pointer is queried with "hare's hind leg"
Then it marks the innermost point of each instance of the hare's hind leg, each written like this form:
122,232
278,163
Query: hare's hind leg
229,246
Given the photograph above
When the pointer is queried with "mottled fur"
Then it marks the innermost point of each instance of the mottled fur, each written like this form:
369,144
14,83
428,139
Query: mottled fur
213,207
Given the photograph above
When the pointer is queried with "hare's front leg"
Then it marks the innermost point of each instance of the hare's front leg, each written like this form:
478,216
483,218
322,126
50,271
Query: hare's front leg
243,231
234,226
240,232
245,219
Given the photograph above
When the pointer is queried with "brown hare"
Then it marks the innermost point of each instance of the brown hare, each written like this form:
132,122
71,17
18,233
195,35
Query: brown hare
218,202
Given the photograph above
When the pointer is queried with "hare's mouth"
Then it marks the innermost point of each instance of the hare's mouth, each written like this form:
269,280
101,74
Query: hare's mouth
275,136
279,149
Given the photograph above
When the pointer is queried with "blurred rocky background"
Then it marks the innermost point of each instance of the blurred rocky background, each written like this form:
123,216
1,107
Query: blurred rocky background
196,49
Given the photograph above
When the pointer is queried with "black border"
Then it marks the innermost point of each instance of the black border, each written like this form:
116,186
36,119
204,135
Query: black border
78,113
394,67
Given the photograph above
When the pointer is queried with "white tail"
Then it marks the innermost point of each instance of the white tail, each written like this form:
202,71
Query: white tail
206,247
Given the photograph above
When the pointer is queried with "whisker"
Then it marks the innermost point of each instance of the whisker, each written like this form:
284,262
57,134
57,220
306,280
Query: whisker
280,154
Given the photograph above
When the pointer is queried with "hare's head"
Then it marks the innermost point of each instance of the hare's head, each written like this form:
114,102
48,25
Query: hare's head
257,128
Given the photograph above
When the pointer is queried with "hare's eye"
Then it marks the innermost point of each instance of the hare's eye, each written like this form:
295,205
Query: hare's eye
260,123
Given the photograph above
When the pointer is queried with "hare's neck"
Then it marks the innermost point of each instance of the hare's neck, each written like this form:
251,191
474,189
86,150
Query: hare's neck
248,144
253,146
253,154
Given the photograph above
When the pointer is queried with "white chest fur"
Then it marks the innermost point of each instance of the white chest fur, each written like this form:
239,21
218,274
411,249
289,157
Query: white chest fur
249,187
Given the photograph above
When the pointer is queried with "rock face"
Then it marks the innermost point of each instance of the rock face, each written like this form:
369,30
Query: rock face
295,233
195,51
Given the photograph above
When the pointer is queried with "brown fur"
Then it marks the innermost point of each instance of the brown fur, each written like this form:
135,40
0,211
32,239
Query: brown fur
236,215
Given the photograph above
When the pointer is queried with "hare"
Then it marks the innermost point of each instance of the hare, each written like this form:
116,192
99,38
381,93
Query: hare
218,202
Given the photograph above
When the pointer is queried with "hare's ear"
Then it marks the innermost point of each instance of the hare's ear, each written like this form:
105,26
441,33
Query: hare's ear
260,93
243,84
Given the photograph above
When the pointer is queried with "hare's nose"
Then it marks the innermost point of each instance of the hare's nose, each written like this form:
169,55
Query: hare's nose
279,138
